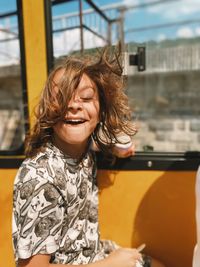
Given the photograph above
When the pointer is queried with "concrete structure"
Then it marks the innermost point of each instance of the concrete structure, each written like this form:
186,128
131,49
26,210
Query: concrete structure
165,98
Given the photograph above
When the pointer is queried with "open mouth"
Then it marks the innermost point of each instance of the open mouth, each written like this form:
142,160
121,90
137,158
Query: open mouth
74,121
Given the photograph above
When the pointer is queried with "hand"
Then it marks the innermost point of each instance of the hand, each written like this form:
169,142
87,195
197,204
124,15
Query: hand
124,153
125,257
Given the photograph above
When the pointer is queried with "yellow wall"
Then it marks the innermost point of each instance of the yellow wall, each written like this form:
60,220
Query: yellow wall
36,73
35,49
6,188
152,207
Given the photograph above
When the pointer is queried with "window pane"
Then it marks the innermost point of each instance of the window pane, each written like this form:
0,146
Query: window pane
67,36
166,96
8,6
11,104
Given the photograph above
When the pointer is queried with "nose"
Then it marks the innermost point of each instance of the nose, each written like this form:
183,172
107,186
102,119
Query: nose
74,104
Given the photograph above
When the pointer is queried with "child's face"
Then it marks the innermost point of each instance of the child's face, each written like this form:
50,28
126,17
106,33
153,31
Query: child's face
81,118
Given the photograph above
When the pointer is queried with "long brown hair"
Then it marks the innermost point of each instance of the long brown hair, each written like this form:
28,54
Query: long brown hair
105,71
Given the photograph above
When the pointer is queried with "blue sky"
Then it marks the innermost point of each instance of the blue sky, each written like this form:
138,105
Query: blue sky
167,13
7,6
173,11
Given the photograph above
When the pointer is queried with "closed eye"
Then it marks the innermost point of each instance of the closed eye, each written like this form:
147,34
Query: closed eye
87,99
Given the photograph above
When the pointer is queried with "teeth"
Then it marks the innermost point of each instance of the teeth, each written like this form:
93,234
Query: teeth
74,121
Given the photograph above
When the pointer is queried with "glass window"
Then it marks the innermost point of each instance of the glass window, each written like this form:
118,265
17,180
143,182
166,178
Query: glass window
79,26
165,96
11,104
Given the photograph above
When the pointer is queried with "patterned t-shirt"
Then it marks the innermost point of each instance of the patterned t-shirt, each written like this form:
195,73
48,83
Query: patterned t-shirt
55,209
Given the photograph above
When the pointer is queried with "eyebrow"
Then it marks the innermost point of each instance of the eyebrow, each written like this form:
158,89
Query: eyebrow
88,87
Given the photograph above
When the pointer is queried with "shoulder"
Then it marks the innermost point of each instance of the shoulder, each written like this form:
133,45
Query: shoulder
35,183
33,168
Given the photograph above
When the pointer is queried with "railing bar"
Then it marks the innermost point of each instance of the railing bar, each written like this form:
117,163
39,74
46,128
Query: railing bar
9,39
77,27
89,29
4,15
165,25
66,29
98,10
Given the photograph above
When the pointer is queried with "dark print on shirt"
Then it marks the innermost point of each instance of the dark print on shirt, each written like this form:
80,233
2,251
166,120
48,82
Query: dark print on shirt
56,209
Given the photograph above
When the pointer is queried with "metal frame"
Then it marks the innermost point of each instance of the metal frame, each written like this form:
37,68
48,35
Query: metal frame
188,161
141,161
19,14
49,37
10,162
8,14
81,26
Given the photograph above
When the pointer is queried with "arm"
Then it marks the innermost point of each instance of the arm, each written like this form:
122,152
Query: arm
124,153
117,151
125,257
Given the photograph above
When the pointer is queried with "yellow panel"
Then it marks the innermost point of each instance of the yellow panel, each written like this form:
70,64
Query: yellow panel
152,207
6,188
35,48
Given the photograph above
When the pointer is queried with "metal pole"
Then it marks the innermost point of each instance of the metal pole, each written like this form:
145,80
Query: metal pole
109,39
49,34
121,26
81,25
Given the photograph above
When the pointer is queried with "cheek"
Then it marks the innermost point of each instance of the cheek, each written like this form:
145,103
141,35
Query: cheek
96,111
58,128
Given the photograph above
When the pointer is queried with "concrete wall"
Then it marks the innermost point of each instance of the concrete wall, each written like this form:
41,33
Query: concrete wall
11,108
10,87
166,107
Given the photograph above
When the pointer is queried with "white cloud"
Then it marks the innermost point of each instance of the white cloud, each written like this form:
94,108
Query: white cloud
176,8
64,43
9,50
161,37
197,31
67,42
130,2
185,32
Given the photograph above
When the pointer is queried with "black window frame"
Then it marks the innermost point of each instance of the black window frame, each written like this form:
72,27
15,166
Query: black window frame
186,161
19,14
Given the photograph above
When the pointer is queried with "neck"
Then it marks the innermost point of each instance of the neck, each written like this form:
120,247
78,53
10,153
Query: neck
75,151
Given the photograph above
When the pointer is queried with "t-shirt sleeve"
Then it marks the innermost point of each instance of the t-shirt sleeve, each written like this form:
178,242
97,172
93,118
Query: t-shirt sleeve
109,246
38,218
